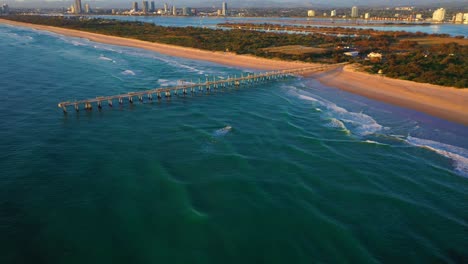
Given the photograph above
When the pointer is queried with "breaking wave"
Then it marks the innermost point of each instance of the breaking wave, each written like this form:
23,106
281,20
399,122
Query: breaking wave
129,73
358,123
335,123
222,131
102,57
458,155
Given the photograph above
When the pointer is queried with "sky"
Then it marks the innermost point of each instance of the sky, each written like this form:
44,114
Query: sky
237,3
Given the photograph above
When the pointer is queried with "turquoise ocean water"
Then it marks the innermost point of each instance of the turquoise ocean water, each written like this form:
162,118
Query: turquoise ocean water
305,173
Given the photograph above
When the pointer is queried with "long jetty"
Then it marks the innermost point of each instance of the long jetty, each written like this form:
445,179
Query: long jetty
185,88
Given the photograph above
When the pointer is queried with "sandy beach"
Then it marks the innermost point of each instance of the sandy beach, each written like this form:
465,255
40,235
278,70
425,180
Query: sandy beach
225,58
444,102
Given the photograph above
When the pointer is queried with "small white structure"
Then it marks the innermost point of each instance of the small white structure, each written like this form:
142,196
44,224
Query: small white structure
374,56
351,53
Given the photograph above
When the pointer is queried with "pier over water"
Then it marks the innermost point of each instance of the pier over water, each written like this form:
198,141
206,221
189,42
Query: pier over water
185,88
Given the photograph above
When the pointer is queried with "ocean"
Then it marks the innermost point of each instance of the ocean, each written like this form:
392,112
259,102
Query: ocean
284,172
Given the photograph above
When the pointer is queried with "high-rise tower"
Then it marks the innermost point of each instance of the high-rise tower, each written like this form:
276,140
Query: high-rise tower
224,9
78,9
87,8
354,12
145,6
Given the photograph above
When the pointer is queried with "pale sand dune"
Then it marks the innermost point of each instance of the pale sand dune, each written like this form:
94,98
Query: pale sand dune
444,102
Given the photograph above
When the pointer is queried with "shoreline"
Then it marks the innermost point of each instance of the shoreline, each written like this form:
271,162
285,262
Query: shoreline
225,58
444,102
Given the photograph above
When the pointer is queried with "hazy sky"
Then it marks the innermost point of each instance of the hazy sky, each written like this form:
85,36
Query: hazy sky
238,3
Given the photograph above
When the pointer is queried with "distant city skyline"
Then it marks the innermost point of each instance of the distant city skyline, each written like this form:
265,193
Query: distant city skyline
238,3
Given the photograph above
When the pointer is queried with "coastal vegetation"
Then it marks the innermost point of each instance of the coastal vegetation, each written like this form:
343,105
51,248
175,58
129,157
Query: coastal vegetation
437,59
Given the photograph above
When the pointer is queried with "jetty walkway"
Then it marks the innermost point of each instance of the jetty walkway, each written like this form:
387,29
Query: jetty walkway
185,88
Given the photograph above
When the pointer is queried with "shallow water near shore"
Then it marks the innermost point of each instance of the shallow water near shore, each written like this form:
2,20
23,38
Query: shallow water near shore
291,171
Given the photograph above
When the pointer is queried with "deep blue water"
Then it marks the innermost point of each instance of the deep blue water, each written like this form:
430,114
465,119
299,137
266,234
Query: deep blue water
211,22
291,171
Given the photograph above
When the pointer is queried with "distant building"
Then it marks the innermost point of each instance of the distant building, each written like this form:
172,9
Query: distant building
366,16
135,6
186,11
174,11
459,18
333,13
404,8
114,11
5,10
145,7
87,8
465,18
166,8
419,16
354,12
311,13
439,15
351,53
224,9
152,7
78,8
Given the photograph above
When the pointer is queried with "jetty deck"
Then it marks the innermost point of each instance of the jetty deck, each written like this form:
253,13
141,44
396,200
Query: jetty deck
185,88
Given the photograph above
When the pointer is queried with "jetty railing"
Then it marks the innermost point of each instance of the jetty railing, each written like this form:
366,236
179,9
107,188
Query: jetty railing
185,88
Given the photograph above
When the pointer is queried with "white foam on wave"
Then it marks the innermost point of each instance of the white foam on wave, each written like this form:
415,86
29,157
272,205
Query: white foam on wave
359,123
165,82
102,57
176,64
458,155
307,98
129,73
77,43
335,123
18,38
222,131
375,142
